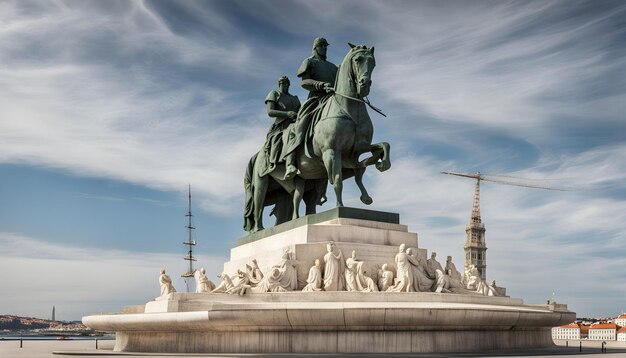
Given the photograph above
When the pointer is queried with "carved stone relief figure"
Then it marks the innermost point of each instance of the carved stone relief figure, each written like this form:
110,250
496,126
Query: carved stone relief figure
454,279
452,271
368,283
282,277
354,269
404,280
288,274
203,284
242,286
166,284
270,282
225,285
432,265
254,273
334,279
385,278
421,281
475,283
314,281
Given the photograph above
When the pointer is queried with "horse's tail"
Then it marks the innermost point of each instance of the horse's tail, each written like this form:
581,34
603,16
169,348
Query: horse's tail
248,212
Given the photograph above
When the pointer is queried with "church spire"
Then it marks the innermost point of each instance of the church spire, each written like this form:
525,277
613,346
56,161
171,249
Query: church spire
475,246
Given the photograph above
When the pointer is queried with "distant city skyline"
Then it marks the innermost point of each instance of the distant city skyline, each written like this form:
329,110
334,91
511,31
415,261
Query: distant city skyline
110,109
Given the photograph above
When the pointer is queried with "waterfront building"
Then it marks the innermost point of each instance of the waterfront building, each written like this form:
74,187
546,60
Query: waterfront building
568,331
621,320
584,331
621,334
603,331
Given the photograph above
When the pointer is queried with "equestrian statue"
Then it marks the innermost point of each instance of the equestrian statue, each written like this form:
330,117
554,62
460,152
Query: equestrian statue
317,143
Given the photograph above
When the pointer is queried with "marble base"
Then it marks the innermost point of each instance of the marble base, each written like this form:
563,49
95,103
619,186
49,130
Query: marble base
330,322
375,240
333,341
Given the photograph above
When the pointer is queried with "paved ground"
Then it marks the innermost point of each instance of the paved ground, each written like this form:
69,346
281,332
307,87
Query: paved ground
86,348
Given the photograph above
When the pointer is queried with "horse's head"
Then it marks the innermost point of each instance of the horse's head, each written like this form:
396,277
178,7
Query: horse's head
362,63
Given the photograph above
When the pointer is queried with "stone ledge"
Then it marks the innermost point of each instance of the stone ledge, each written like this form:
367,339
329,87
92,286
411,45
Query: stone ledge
337,316
336,213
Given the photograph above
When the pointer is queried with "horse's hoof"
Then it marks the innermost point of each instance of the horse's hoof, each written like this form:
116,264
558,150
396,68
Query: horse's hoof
382,166
366,200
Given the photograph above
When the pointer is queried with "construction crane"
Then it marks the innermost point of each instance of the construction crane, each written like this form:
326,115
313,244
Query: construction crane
475,246
508,180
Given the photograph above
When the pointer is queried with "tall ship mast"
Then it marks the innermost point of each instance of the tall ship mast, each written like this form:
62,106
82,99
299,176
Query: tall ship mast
190,244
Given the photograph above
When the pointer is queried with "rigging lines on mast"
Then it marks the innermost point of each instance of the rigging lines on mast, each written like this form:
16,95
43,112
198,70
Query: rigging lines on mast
190,242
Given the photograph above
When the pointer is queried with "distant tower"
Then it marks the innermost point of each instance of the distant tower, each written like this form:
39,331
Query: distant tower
475,247
190,243
53,313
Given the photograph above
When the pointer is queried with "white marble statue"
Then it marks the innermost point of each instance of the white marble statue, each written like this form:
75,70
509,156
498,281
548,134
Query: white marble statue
334,279
404,279
435,272
385,278
242,286
369,285
254,273
453,279
354,272
452,271
270,282
314,281
476,284
283,276
421,281
166,284
288,274
225,285
432,265
203,284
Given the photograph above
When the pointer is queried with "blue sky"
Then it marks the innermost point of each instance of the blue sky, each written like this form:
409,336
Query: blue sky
109,109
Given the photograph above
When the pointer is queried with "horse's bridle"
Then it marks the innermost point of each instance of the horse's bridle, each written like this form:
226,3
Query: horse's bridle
364,100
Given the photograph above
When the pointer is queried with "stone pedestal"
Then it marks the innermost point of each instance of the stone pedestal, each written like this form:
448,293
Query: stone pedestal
330,322
374,235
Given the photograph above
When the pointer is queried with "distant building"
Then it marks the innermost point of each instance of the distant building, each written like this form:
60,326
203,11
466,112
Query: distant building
584,331
621,334
568,331
603,332
621,320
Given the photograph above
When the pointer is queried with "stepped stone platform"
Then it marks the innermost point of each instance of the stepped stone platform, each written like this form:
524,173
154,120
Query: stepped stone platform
330,322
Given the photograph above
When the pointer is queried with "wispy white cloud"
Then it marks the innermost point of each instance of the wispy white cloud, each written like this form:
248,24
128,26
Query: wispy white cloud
81,281
100,120
503,66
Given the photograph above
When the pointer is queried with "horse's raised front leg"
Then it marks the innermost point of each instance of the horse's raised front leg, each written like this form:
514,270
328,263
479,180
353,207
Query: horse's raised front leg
297,196
260,190
332,162
381,156
358,178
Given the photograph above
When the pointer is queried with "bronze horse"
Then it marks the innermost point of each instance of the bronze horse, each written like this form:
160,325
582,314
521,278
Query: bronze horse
341,133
